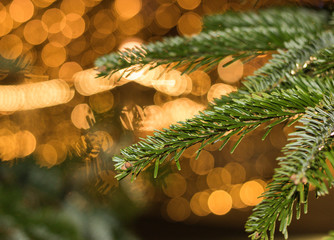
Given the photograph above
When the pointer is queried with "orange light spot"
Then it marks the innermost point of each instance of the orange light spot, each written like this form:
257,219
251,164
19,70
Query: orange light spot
104,22
178,209
43,3
131,26
203,164
6,25
73,6
237,172
220,202
26,142
218,177
199,204
3,12
189,4
35,32
231,73
130,43
219,89
54,19
235,194
11,46
82,116
21,10
46,155
60,149
201,83
53,56
153,118
167,15
250,192
101,102
189,24
175,185
127,8
75,26
68,69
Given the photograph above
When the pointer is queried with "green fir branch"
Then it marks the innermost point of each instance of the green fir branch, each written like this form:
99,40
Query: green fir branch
303,163
219,123
271,17
208,48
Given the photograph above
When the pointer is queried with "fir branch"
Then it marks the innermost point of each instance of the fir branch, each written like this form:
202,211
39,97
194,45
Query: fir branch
273,17
13,65
208,48
229,116
286,63
303,163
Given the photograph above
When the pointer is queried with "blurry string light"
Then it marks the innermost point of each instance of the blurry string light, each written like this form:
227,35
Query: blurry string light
34,95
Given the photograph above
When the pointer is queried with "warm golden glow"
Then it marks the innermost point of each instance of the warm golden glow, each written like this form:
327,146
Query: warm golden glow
127,8
82,116
42,3
131,26
174,185
204,164
11,46
26,143
35,32
250,192
103,22
6,25
153,118
189,24
73,6
101,102
21,10
46,155
130,43
68,69
220,202
231,73
178,209
199,204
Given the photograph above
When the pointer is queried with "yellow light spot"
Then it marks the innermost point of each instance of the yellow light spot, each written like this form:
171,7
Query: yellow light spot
101,102
11,46
68,69
54,19
104,22
237,171
75,26
203,164
3,12
235,194
8,145
175,185
172,83
219,89
201,83
21,10
6,25
220,202
82,116
178,209
189,24
127,8
130,43
217,178
46,155
199,204
35,32
73,6
167,15
231,73
91,3
26,143
60,149
189,4
249,193
99,46
53,56
58,39
131,26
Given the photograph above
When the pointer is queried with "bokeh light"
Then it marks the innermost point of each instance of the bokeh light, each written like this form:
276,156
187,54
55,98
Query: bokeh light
220,202
174,185
127,8
178,209
21,10
231,73
250,192
35,32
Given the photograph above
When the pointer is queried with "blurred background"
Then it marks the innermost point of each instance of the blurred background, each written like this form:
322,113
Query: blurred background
60,127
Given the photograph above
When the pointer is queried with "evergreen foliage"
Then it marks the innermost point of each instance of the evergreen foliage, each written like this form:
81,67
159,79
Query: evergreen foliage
296,86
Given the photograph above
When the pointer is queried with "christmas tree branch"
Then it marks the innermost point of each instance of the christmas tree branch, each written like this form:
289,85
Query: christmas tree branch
303,163
219,123
208,48
273,17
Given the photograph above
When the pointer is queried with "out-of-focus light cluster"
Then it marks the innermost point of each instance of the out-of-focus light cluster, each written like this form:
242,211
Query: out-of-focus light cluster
62,39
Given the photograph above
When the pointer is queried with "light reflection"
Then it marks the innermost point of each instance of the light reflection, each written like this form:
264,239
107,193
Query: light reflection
220,202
